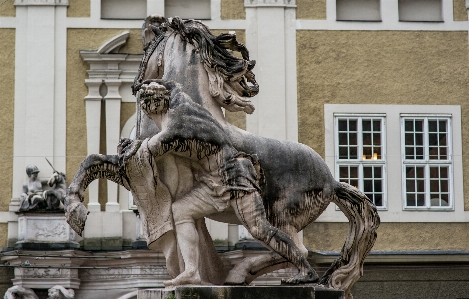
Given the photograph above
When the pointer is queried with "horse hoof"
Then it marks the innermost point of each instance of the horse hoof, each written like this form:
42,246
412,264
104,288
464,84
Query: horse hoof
302,279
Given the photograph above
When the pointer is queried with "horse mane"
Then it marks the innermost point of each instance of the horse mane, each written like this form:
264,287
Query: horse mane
214,51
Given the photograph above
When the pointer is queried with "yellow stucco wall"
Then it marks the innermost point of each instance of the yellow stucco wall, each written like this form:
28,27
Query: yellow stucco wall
85,39
8,9
459,10
232,9
380,67
311,9
78,9
127,110
324,236
7,77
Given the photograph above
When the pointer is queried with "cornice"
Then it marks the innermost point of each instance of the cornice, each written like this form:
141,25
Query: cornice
270,3
41,2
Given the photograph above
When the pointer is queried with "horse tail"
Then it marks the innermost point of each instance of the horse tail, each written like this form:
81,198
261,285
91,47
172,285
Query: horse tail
364,221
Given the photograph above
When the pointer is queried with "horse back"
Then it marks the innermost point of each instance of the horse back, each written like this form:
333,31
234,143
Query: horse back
296,181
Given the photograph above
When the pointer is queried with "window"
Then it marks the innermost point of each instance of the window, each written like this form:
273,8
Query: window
427,162
360,154
358,10
188,9
420,10
124,9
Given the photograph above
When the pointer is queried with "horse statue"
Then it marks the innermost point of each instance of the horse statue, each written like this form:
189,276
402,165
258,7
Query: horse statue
188,162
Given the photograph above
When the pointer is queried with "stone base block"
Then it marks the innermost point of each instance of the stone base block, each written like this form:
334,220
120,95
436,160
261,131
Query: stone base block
241,292
44,231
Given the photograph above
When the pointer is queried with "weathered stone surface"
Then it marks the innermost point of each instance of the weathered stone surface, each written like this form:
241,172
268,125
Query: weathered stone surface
238,292
188,162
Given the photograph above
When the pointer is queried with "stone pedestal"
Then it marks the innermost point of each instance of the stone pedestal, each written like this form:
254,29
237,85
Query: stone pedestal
44,231
242,292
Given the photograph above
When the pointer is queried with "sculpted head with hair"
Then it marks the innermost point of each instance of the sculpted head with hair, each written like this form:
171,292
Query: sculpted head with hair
188,162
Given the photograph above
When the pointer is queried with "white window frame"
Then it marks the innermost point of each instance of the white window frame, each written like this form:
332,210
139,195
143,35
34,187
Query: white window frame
360,161
395,212
427,162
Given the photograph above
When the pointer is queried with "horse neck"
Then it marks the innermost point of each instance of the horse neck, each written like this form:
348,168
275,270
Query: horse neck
183,65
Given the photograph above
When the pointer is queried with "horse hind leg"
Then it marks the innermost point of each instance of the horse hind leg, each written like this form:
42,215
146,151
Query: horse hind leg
252,267
250,211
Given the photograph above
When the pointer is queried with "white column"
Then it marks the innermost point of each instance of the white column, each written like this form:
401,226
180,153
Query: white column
39,122
93,125
113,110
270,30
155,7
291,95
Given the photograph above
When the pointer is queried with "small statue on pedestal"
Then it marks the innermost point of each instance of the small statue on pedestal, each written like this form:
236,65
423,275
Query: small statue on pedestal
34,197
59,292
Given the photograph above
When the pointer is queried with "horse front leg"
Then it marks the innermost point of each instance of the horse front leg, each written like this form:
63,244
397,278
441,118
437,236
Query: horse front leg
92,168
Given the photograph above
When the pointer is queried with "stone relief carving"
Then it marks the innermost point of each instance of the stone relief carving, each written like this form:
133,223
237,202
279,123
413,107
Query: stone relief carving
47,273
59,292
187,162
19,292
57,231
42,194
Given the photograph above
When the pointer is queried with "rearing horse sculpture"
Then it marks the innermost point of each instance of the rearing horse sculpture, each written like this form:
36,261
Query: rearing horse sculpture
295,185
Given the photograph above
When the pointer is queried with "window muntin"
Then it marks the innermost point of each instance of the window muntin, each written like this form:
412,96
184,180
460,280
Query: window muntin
427,163
360,154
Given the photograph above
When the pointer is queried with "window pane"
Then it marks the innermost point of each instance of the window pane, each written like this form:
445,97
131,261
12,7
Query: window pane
368,186
352,125
442,126
354,171
409,139
358,10
343,139
420,10
342,125
409,125
410,186
367,139
376,125
353,139
343,152
367,172
418,125
366,125
432,126
353,153
419,153
420,200
411,200
378,200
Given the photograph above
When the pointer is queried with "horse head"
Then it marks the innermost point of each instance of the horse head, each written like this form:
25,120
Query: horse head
230,79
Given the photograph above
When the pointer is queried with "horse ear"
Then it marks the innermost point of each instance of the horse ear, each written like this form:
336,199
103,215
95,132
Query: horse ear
156,30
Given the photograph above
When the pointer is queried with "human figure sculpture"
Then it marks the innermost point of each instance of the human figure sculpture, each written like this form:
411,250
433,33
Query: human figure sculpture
187,157
59,292
225,177
19,292
34,196
33,193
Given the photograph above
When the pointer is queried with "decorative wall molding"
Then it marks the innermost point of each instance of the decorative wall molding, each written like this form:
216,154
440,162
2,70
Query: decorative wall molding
41,2
113,45
270,3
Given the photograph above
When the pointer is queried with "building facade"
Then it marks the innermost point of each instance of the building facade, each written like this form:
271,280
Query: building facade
378,88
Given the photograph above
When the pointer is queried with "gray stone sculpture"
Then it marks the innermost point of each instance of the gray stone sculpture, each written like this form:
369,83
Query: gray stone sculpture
188,163
34,197
19,292
59,292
